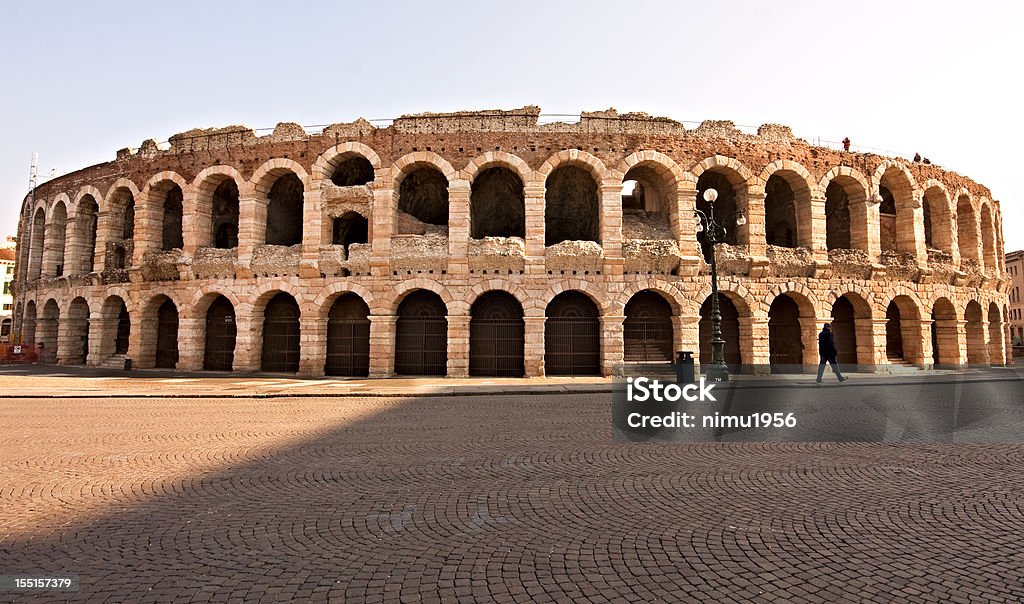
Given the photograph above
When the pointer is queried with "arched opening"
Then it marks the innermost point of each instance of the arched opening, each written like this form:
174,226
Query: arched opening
35,255
124,330
421,335
128,226
87,222
28,324
423,198
572,336
497,205
647,205
730,326
281,334
725,205
224,220
977,354
945,345
348,337
350,228
571,206
837,218
785,346
988,239
6,325
780,213
893,333
496,336
647,329
78,331
887,220
219,354
966,229
172,220
284,211
57,232
47,334
118,257
167,335
995,336
926,209
844,331
353,171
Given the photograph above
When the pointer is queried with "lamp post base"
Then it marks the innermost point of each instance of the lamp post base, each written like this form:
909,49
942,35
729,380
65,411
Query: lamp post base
717,373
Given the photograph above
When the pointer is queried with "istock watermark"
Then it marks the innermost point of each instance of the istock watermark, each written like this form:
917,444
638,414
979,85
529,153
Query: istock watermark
649,404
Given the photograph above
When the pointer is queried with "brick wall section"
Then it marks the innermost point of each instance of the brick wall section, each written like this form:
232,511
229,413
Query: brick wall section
462,145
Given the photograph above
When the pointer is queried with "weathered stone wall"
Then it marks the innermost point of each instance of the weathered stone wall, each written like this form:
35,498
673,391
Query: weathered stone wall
632,251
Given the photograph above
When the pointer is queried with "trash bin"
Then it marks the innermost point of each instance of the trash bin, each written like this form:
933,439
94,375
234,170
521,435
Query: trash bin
684,367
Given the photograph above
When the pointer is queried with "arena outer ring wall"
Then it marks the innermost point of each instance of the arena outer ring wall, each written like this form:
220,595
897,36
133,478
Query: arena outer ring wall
962,270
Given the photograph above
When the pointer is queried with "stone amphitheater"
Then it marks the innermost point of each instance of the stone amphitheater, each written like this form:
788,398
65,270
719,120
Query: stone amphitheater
490,243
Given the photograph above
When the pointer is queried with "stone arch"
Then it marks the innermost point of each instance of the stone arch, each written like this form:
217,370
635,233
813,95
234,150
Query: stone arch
996,341
988,237
497,335
852,318
498,159
738,294
75,332
945,333
483,287
846,209
55,246
563,285
83,231
213,208
648,327
46,331
788,188
679,303
573,157
421,333
28,322
572,335
215,316
968,229
402,290
331,292
117,231
347,335
279,186
425,198
903,334
903,230
666,191
736,186
37,241
163,211
158,333
115,325
792,327
977,351
325,165
497,202
280,332
937,216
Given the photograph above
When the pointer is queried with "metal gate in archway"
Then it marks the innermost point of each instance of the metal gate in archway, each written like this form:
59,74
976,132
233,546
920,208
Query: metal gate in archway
647,329
220,336
348,337
281,335
496,336
572,336
167,336
421,335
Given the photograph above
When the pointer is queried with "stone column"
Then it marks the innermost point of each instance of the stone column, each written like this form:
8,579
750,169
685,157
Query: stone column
818,231
141,346
382,223
248,340
382,345
864,330
97,332
458,345
878,342
312,344
611,343
312,218
102,236
760,353
809,341
533,346
196,223
252,225
65,340
458,229
753,233
611,227
873,243
533,192
191,342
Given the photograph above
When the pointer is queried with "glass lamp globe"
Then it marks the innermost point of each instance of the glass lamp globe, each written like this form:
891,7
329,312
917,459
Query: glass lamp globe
710,195
741,220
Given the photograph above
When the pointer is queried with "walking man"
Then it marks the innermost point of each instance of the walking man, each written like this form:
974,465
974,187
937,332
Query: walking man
827,353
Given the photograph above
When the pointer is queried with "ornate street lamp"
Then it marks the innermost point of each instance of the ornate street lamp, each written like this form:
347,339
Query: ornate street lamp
714,233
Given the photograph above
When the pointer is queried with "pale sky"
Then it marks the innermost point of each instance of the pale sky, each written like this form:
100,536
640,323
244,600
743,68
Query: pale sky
82,80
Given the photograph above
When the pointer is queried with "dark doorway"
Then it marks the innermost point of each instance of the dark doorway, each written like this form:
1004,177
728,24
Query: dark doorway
893,333
647,329
572,208
572,336
421,335
730,332
348,337
785,347
496,336
281,335
124,329
167,335
284,211
497,204
844,331
356,170
172,234
225,215
220,336
348,229
976,352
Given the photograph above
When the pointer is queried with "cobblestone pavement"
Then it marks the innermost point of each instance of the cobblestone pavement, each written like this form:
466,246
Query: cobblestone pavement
488,499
